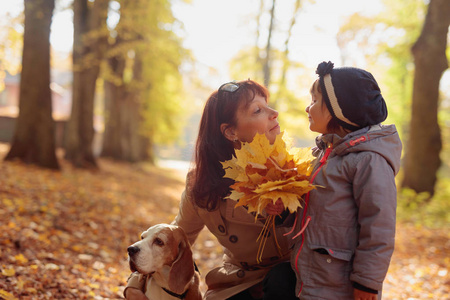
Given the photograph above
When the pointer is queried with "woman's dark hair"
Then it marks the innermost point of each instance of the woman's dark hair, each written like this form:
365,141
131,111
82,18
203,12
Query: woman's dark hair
206,183
333,125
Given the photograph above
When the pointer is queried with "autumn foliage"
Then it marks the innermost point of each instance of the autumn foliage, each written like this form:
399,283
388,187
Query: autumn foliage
264,173
63,235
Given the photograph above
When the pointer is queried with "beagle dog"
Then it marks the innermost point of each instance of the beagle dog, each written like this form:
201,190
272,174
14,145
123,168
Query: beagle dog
165,255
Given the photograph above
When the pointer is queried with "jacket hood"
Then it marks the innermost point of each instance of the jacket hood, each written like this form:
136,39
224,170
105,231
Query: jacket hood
383,140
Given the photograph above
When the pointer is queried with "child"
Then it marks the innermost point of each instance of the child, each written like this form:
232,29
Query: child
348,222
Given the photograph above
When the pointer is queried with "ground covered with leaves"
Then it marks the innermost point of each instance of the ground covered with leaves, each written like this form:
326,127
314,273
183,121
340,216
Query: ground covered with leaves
63,235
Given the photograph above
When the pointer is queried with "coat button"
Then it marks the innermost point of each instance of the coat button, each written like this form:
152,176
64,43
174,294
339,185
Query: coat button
329,260
241,274
233,239
221,228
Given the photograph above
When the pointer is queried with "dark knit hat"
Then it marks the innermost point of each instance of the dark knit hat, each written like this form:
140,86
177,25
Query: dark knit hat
352,96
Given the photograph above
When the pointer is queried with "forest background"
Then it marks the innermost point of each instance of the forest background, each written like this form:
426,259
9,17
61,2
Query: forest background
137,77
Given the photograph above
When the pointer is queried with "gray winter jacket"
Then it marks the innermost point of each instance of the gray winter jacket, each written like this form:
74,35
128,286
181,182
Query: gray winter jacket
351,230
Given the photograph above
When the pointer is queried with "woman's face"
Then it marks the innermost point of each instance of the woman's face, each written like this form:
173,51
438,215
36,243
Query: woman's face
257,117
318,113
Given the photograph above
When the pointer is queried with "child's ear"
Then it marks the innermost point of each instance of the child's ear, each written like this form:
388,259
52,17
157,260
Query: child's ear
228,132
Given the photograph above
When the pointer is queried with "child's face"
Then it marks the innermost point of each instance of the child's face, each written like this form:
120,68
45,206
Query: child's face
318,113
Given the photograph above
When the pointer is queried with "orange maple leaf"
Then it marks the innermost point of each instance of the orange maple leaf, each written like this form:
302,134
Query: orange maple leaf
264,173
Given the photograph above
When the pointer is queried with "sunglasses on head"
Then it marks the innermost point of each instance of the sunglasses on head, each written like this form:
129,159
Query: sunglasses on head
229,87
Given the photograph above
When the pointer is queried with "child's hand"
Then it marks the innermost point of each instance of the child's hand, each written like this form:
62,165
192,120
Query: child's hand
361,295
134,294
275,209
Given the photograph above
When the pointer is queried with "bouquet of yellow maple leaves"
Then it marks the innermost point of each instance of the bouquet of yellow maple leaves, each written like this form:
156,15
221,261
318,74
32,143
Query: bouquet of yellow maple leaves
264,173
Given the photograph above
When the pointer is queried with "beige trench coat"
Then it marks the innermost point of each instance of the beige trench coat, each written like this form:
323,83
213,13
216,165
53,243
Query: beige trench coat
237,231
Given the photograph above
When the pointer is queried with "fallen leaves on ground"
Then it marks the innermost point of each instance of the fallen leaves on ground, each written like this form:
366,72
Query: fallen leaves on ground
420,265
63,235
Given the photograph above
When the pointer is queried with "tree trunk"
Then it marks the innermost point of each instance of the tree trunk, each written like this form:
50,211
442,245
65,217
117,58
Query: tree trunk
34,136
266,68
137,146
286,62
258,60
90,42
113,94
424,145
134,144
123,133
123,139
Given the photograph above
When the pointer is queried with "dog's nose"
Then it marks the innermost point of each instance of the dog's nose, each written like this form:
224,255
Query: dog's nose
133,250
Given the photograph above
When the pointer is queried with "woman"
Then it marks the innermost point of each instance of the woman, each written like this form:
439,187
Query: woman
233,114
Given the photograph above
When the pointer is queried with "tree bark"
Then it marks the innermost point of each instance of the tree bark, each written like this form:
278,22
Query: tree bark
137,144
90,42
286,62
34,136
123,139
266,67
113,95
424,145
258,59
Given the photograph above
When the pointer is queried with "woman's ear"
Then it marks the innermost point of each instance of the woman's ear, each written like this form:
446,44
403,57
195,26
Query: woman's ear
228,132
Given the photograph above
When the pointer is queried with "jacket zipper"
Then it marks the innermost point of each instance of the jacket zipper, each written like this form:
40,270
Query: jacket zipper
322,161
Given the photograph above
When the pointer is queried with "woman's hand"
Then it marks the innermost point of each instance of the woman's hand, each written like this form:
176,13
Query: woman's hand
275,209
361,295
134,294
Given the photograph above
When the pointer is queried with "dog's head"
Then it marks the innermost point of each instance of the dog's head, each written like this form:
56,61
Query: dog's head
163,245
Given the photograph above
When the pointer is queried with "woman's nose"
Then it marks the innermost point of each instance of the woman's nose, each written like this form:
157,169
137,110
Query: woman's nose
274,114
307,109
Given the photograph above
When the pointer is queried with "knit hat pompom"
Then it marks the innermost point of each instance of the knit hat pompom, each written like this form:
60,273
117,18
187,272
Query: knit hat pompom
324,68
352,96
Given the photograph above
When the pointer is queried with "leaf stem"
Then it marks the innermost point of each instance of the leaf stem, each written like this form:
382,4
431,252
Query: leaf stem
278,167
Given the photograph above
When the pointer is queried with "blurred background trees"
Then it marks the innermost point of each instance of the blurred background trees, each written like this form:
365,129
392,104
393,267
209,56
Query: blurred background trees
422,155
136,87
90,42
142,82
33,140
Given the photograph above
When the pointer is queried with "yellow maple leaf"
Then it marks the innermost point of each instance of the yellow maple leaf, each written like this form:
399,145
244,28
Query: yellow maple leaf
260,167
21,259
7,296
264,173
256,177
303,158
290,200
232,170
235,195
8,272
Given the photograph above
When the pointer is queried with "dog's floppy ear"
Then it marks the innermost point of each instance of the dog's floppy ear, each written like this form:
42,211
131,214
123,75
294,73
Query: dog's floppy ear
182,269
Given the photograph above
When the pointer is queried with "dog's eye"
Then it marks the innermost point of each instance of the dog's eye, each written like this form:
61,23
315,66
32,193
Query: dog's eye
158,242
